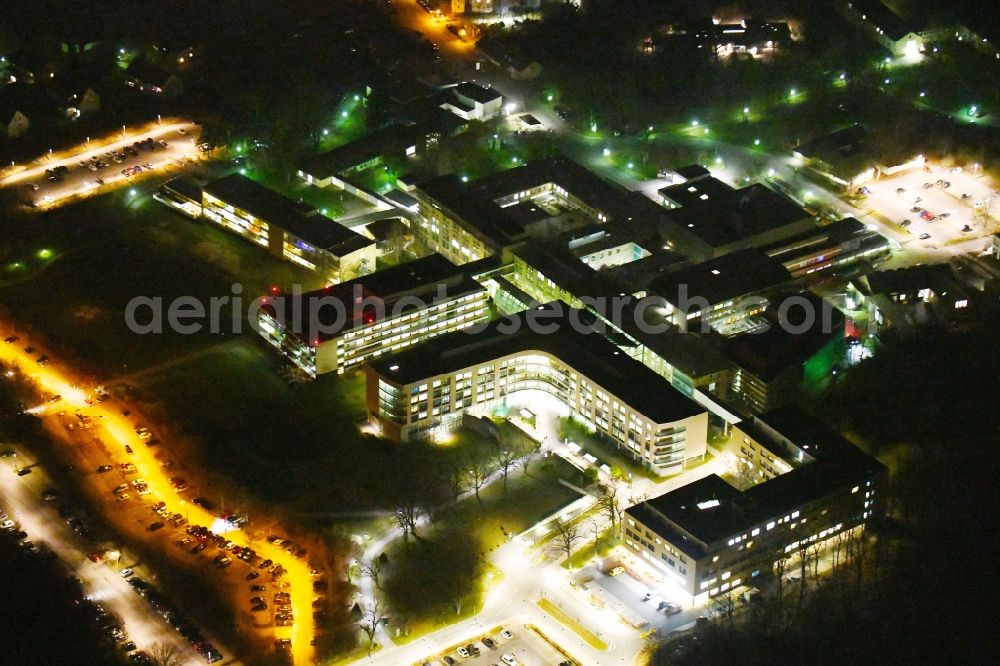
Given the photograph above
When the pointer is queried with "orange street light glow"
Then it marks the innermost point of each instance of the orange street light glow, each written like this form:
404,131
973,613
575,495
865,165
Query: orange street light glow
119,434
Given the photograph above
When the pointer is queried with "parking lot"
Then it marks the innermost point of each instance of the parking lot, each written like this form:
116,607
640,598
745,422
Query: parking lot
635,602
525,646
934,206
93,170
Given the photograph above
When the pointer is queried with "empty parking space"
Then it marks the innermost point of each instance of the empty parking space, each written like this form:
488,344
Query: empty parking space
934,206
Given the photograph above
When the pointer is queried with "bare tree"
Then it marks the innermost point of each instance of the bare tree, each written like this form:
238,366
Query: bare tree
456,476
373,616
505,460
595,529
609,503
373,568
803,571
567,536
163,654
406,517
724,605
480,468
779,573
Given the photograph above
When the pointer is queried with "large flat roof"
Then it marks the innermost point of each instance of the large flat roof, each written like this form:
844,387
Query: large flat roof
911,278
694,192
476,92
768,353
837,145
590,354
472,204
326,234
358,151
729,217
475,202
420,278
276,209
567,271
716,280
711,510
893,24
258,200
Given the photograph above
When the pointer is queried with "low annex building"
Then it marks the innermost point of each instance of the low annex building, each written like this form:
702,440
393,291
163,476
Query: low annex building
290,230
709,538
428,389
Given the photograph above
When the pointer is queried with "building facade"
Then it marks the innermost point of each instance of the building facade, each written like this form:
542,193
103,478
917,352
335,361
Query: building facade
414,394
383,313
709,538
290,231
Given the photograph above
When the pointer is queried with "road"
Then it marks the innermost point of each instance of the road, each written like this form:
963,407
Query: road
116,434
524,581
21,497
79,181
735,164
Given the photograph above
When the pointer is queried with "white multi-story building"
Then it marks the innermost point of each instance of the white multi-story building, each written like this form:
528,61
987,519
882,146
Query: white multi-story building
709,538
416,392
339,327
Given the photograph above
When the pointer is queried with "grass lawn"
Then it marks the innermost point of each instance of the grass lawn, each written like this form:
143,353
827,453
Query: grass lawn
472,603
559,614
604,545
296,445
530,497
100,255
